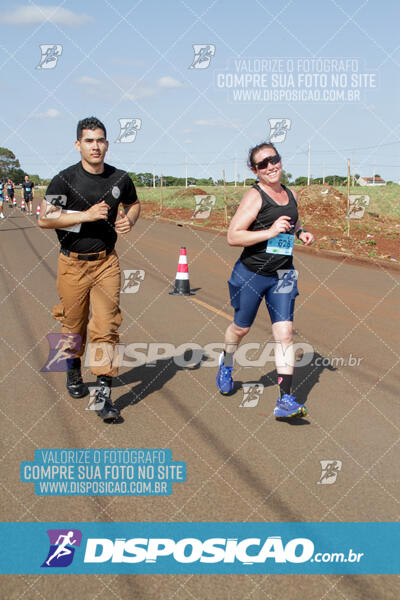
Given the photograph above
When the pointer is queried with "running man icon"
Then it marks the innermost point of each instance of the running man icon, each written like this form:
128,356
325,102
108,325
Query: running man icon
287,279
62,549
133,279
62,347
50,53
202,55
63,543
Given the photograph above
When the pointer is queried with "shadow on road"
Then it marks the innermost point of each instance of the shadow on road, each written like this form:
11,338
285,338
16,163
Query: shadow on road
306,376
304,379
148,378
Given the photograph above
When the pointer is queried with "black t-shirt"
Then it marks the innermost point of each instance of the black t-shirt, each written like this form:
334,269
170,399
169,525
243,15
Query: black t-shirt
255,257
79,190
28,186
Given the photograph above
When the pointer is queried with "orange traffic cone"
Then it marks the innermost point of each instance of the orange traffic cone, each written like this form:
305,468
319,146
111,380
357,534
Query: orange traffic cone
23,205
182,285
38,211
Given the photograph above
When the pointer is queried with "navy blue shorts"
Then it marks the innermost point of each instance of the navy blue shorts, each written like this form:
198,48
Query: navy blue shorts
247,289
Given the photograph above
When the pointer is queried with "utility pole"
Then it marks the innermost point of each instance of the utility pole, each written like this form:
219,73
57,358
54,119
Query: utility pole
154,177
309,164
235,170
185,171
348,177
348,197
225,207
323,172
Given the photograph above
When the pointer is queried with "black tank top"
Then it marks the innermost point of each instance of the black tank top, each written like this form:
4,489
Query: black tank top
255,257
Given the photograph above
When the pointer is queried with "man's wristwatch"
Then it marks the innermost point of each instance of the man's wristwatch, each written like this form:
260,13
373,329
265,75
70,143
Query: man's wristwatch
300,231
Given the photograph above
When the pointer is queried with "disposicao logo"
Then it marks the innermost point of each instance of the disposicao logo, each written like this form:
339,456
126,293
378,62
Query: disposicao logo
190,550
62,547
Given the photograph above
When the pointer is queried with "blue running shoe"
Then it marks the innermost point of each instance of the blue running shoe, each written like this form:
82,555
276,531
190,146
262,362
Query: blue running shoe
224,377
288,407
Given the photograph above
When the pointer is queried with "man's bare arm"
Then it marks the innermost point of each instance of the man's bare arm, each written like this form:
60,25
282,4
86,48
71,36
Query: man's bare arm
132,211
94,213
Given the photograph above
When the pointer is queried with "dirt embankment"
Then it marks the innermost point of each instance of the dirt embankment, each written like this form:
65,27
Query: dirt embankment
322,210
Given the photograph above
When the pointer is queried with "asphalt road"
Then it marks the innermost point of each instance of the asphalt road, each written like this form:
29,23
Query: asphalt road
242,464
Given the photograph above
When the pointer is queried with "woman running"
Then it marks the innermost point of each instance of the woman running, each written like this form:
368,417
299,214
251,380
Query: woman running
265,225
10,192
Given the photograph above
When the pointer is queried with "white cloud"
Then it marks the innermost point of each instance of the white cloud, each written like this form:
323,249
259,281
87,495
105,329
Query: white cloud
31,15
108,90
186,131
85,80
138,91
51,113
169,82
127,87
216,123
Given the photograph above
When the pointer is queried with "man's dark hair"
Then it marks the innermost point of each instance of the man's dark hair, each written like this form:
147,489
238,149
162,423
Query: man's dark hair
89,123
250,161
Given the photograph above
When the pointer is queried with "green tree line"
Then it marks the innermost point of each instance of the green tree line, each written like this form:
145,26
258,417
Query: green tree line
10,167
146,180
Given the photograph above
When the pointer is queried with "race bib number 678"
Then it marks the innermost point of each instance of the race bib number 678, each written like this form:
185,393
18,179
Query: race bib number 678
281,244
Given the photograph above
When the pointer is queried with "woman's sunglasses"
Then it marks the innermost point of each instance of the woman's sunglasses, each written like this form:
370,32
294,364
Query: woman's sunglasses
273,160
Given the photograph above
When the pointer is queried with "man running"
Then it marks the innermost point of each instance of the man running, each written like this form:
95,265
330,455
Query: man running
265,225
27,193
88,195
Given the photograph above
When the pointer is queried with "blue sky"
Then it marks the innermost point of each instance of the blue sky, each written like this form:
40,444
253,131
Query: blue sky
124,59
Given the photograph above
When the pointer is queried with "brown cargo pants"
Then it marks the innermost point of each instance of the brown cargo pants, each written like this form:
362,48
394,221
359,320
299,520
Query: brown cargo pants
89,299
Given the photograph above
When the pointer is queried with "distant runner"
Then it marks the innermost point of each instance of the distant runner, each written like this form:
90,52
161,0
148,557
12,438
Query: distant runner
27,193
265,225
1,199
10,192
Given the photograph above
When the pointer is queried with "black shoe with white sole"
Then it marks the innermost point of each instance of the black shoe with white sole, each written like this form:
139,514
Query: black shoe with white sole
108,412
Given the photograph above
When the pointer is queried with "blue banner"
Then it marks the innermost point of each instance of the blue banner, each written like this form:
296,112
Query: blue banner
220,548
